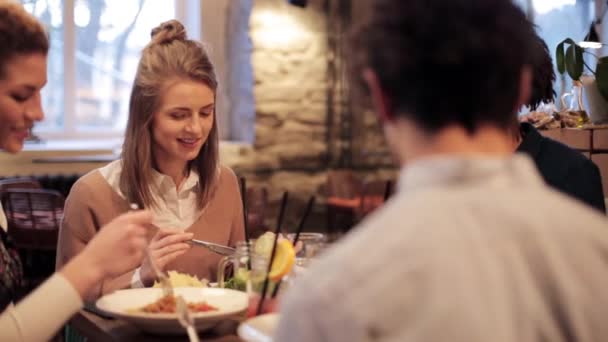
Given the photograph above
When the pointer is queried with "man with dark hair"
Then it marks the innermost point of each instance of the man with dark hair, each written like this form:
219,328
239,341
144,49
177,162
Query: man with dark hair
473,246
562,167
543,75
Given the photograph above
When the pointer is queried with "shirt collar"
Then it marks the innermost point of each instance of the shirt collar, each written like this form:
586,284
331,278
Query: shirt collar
163,182
449,170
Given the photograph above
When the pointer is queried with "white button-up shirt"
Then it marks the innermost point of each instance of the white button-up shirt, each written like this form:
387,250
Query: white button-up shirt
174,209
469,249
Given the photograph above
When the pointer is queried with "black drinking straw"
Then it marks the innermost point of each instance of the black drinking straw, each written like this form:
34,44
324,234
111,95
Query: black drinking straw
274,250
311,203
387,190
244,200
243,182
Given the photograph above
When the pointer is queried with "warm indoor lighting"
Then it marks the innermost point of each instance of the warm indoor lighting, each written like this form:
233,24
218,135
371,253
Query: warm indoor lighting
592,39
275,28
590,45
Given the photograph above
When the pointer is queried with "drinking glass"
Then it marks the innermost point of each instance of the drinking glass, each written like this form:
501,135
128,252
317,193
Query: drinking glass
310,246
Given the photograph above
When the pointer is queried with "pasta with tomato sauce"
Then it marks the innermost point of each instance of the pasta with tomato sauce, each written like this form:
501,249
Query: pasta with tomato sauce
167,304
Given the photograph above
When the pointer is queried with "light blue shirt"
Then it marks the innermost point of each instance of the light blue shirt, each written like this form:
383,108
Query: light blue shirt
469,249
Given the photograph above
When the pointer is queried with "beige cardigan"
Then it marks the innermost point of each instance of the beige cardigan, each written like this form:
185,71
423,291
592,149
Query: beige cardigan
92,203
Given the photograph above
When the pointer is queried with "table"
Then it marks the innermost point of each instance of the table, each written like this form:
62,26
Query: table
97,328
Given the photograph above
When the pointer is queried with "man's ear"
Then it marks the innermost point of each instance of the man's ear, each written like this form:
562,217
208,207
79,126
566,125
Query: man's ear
525,87
382,104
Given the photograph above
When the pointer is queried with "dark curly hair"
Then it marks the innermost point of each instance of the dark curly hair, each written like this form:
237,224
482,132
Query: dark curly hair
445,62
543,75
20,33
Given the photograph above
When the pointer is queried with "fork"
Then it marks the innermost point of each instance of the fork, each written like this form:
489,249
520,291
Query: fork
185,319
164,281
214,247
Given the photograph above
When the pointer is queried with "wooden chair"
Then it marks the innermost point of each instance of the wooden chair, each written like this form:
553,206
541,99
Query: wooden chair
343,184
373,195
33,217
342,190
19,183
35,211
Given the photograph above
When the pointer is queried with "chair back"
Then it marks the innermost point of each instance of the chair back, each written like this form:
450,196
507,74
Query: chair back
19,183
374,194
343,184
33,217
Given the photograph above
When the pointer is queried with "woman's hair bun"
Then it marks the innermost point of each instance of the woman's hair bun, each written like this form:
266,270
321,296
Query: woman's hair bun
168,31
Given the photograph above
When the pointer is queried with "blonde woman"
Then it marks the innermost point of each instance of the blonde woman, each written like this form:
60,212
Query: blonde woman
23,61
169,164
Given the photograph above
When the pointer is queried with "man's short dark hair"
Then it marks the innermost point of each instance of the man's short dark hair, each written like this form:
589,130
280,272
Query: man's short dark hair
445,62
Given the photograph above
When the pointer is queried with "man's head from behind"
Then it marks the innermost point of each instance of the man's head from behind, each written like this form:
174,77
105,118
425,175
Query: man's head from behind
438,64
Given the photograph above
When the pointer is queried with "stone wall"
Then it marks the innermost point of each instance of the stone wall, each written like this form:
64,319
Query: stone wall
290,151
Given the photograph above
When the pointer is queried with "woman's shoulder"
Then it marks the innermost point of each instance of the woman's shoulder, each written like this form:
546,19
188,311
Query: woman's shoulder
92,183
226,174
227,182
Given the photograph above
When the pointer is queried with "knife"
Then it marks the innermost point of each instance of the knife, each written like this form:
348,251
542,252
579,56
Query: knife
214,247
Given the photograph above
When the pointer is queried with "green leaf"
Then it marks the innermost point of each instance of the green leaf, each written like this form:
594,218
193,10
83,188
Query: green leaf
601,76
574,61
563,60
559,58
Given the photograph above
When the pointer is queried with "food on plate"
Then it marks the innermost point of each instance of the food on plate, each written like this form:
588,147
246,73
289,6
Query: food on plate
562,119
183,280
167,304
540,120
239,281
572,118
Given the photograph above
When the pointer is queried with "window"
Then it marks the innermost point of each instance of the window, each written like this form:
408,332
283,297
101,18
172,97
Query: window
557,20
95,47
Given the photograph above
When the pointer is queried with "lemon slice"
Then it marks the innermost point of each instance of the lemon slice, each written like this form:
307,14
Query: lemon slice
264,243
284,258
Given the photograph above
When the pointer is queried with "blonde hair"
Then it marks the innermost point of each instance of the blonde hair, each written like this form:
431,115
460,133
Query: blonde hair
20,33
168,56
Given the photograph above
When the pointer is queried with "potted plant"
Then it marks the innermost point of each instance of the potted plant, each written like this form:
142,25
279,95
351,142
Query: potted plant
569,59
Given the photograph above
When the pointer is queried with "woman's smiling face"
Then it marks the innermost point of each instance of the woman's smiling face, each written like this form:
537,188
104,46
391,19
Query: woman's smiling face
22,79
183,121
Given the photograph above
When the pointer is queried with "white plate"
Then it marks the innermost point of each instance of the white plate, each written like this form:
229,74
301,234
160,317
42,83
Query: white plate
231,304
259,329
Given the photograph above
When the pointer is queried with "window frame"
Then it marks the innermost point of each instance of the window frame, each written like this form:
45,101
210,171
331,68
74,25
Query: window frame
187,11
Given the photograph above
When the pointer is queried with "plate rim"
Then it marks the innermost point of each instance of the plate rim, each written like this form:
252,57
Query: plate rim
172,316
247,323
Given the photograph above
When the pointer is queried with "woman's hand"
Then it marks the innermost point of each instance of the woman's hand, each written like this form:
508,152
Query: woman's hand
118,248
164,248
